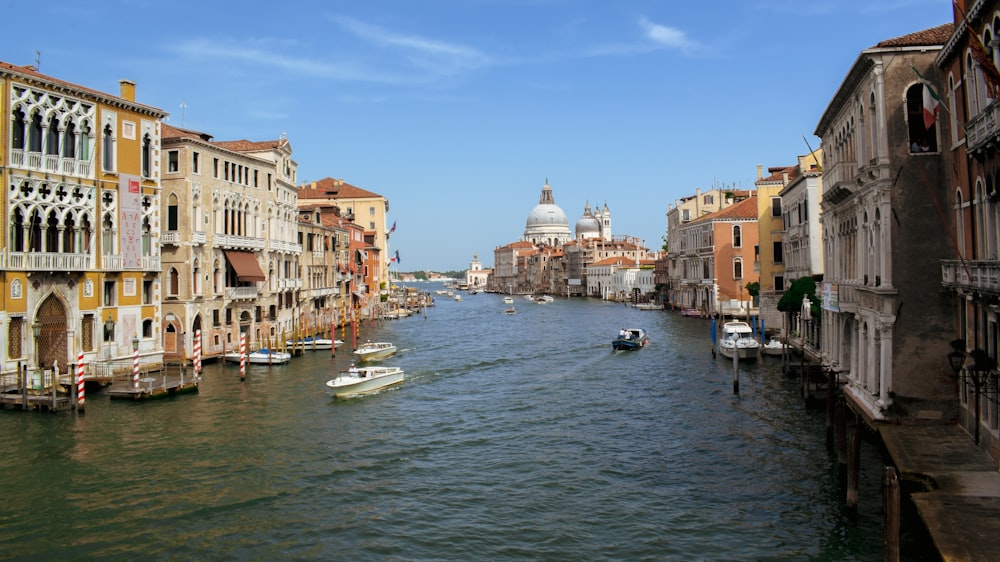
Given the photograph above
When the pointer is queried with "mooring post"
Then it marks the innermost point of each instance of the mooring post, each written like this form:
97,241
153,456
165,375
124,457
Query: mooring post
890,514
853,466
736,370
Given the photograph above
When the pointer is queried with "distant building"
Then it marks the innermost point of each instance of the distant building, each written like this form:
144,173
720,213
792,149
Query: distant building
476,277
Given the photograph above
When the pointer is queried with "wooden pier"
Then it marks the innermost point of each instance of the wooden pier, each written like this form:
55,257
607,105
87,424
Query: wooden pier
170,380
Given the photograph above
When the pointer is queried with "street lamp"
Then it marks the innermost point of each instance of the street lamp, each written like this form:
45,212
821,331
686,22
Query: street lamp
982,365
109,334
36,330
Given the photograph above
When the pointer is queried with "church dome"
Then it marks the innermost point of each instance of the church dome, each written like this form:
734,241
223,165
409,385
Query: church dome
547,214
547,222
588,226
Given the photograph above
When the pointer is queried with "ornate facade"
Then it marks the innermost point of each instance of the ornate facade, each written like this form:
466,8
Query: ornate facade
80,257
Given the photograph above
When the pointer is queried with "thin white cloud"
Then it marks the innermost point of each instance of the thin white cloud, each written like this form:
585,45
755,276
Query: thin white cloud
435,56
666,36
251,55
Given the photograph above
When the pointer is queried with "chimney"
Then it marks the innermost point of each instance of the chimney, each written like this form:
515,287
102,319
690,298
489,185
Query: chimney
127,88
760,171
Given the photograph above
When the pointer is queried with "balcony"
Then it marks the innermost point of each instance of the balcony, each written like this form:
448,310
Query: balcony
50,163
242,293
35,261
230,242
283,246
978,276
983,129
173,237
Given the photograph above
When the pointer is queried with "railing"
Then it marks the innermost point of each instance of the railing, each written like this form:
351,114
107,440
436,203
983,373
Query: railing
241,293
51,163
971,275
982,128
151,263
283,246
230,241
171,237
35,261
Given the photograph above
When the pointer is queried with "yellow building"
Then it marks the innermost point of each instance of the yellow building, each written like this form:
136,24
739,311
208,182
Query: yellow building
79,260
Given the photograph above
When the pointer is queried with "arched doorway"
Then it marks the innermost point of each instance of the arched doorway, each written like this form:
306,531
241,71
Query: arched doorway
51,344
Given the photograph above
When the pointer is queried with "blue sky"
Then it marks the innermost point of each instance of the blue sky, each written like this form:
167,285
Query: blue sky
459,110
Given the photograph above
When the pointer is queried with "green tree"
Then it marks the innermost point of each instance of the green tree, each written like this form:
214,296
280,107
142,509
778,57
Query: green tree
791,301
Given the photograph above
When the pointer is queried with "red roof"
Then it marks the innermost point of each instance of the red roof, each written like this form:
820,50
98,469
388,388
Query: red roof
934,36
744,210
329,188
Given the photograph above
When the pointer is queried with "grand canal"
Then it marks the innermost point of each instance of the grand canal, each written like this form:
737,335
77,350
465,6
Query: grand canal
515,437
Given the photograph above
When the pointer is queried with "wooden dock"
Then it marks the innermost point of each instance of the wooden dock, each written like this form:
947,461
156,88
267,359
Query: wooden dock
167,382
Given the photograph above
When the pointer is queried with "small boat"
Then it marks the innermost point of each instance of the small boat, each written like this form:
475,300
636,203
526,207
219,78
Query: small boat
693,313
630,339
358,381
371,351
774,347
510,310
314,343
737,340
647,306
508,300
261,357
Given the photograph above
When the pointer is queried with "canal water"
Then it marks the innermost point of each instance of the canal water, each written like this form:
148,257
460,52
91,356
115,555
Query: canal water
514,437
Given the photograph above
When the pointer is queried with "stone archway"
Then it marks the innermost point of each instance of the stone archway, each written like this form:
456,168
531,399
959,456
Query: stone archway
51,345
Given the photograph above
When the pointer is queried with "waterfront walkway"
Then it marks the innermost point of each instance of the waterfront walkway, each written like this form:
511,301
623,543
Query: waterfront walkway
961,504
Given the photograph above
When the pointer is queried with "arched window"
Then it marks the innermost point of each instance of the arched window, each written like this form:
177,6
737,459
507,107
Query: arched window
17,130
172,212
173,282
147,156
737,236
921,125
35,133
69,141
738,268
52,137
147,237
108,149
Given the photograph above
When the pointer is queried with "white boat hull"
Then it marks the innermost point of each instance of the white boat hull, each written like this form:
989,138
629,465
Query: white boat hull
318,344
366,381
273,358
744,352
374,352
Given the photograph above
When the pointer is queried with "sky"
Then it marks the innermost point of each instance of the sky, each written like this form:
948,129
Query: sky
459,111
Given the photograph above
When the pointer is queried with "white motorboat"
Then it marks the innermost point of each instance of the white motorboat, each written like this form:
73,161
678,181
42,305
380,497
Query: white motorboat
358,381
508,300
261,357
737,340
774,347
371,351
314,343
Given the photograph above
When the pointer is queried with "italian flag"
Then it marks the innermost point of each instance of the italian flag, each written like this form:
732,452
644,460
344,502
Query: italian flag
931,106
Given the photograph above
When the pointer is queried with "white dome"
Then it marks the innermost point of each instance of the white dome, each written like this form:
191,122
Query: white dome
546,214
588,227
547,223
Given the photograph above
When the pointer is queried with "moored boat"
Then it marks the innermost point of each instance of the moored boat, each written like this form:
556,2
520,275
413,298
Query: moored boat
371,351
774,347
358,381
630,339
261,357
737,340
314,343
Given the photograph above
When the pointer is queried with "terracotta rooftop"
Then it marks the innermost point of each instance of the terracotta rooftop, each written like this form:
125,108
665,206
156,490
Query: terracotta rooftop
244,145
934,36
778,173
744,210
170,132
329,188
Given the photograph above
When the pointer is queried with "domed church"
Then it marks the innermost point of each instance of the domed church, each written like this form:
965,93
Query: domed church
594,224
547,223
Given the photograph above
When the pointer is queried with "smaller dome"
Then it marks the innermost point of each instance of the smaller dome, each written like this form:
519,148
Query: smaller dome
588,227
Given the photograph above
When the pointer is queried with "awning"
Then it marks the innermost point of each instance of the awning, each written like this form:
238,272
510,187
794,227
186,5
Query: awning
246,266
